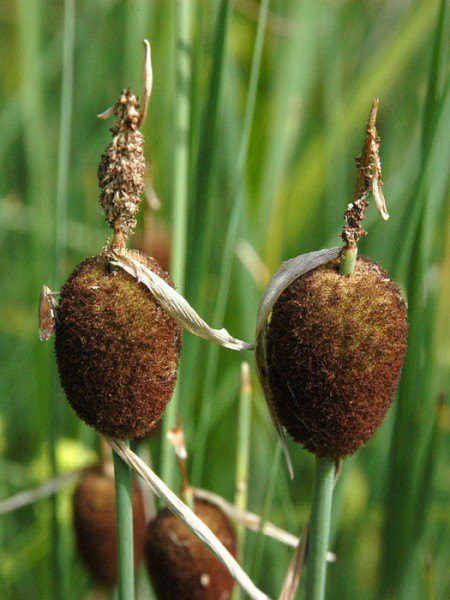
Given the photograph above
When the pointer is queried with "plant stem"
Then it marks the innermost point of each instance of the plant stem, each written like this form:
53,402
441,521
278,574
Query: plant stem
319,532
59,254
124,512
180,197
269,491
243,452
348,260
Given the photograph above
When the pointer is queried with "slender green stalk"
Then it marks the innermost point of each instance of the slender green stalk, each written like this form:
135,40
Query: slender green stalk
243,452
268,499
59,254
407,502
136,29
180,196
65,133
203,218
230,242
348,260
319,532
38,160
124,512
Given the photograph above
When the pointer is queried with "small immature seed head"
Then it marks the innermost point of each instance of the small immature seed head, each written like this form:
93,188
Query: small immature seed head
117,350
335,351
179,564
94,515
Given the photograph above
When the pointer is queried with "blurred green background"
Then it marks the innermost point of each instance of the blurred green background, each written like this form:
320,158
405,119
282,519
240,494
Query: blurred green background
322,64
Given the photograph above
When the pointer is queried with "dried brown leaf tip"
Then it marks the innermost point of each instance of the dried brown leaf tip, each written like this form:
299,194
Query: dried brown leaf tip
369,180
122,167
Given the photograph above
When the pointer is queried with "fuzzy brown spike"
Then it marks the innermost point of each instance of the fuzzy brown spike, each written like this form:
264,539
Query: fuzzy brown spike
122,167
335,351
179,564
117,349
94,515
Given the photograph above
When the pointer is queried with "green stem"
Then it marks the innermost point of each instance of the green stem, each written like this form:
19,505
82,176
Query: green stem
348,260
243,452
180,198
319,532
258,553
124,511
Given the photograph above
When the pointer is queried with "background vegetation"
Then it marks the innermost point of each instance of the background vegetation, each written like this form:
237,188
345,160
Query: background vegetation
323,62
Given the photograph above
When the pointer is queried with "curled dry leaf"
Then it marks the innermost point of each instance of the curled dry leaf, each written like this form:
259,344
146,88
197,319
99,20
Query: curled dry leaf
174,303
248,519
286,274
188,517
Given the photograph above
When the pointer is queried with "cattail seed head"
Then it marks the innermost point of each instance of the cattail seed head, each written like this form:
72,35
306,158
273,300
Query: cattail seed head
179,564
122,167
335,351
94,515
117,350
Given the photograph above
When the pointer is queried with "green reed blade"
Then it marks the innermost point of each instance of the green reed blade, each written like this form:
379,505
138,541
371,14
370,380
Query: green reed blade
179,199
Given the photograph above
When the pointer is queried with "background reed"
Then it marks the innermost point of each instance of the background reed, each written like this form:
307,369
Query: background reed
322,64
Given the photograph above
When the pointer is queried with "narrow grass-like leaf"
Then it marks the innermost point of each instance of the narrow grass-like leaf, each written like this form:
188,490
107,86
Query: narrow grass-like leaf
230,241
180,196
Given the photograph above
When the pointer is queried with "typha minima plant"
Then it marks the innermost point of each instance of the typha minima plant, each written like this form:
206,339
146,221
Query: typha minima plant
180,566
118,321
331,356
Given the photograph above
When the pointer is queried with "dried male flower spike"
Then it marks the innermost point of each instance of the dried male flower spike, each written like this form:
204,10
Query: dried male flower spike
122,167
94,518
180,566
335,351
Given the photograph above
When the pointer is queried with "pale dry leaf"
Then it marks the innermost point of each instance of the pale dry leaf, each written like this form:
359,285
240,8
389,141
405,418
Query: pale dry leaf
46,489
188,517
294,572
174,303
248,519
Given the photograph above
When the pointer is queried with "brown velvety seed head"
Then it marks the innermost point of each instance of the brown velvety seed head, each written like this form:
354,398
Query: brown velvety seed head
94,515
180,566
335,351
117,349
